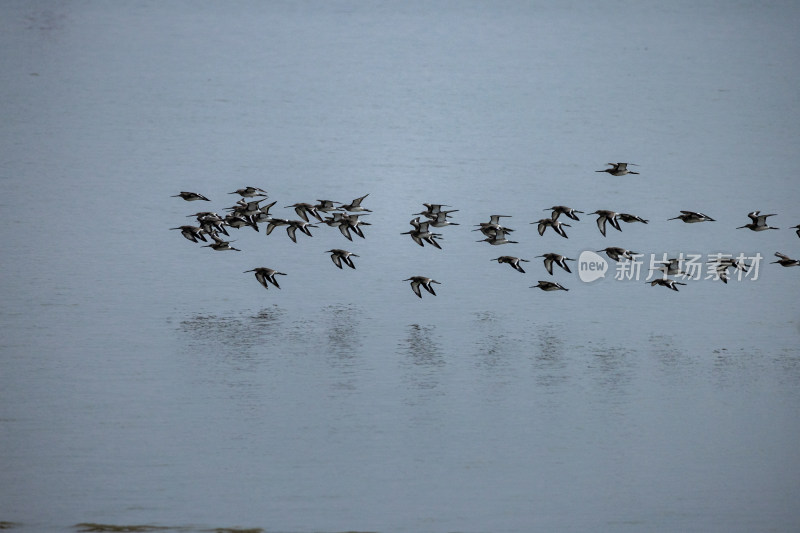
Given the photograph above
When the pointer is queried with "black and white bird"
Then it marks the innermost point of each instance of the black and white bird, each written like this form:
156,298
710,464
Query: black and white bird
615,252
692,217
421,281
549,286
190,196
618,169
552,258
665,282
339,256
785,260
265,276
250,192
605,215
563,210
758,221
511,260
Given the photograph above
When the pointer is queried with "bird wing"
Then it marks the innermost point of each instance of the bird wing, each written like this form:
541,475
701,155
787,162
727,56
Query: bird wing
272,280
345,230
415,288
601,224
548,264
262,279
291,230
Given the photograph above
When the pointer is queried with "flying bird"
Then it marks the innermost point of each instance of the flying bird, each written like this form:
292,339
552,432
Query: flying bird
421,281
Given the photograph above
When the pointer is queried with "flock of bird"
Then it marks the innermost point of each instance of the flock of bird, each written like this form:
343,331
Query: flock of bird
248,211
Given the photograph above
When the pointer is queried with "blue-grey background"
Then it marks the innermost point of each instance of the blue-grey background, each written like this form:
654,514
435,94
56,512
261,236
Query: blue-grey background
147,380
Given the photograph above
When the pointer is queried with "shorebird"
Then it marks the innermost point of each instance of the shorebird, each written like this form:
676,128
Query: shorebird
670,267
304,209
797,227
262,215
355,205
192,233
665,282
236,221
494,219
626,217
190,196
785,260
545,223
354,223
722,272
266,275
325,206
603,216
421,236
549,286
722,264
293,225
511,260
563,210
203,214
759,222
499,237
433,210
417,281
248,209
731,262
493,226
558,259
439,220
221,245
346,222
351,222
615,252
618,169
490,230
211,223
339,256
250,192
691,217
273,223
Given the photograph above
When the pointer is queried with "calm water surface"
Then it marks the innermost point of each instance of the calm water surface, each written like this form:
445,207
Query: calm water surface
149,381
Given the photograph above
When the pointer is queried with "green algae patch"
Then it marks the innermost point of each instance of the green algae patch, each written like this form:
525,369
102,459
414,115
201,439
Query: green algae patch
237,530
91,527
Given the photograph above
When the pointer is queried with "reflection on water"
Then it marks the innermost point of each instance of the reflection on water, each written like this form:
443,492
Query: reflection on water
674,362
342,327
423,358
734,367
233,337
495,345
788,364
611,370
420,346
344,342
228,351
549,361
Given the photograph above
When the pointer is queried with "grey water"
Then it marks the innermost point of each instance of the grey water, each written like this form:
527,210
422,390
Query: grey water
148,381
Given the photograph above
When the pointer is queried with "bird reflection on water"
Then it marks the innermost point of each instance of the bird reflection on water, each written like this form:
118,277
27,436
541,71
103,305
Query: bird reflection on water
344,344
235,338
420,347
495,344
423,361
549,361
